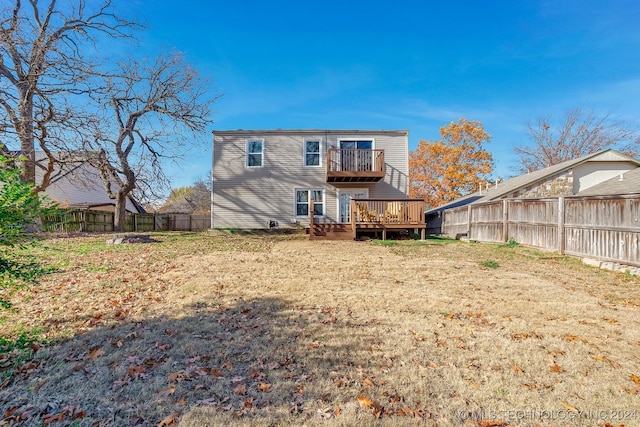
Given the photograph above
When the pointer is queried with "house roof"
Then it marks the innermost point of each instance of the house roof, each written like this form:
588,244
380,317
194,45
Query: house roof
627,183
308,131
77,184
532,178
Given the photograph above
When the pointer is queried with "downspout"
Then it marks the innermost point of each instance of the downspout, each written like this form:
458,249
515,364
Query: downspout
213,149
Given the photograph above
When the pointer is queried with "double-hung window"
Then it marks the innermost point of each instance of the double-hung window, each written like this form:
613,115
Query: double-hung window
303,197
312,152
255,153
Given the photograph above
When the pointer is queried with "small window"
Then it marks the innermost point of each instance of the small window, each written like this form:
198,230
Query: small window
255,153
302,202
312,152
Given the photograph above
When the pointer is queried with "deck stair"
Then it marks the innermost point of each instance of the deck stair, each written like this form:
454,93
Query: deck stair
331,232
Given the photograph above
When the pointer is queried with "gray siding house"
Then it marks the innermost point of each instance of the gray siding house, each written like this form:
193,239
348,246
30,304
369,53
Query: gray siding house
266,178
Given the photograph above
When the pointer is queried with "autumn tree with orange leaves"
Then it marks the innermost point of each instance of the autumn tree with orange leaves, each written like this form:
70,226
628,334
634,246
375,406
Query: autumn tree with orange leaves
443,170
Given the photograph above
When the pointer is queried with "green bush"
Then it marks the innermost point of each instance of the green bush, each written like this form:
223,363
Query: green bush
20,208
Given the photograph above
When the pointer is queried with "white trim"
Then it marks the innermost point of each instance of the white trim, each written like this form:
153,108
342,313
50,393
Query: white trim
304,152
295,201
246,152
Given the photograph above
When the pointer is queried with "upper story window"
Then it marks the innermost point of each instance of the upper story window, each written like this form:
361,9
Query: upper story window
312,152
255,153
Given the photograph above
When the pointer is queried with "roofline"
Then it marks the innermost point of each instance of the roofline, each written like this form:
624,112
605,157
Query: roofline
571,165
309,131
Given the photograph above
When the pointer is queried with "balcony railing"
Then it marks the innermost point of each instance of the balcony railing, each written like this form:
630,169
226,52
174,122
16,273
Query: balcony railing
354,165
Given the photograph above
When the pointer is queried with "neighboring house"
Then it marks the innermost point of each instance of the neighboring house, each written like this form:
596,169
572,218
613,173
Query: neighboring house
573,177
78,185
624,183
266,178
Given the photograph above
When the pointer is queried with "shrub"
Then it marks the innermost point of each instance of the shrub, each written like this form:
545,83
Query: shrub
20,208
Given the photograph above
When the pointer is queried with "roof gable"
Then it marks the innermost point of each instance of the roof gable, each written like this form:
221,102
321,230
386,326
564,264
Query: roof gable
530,179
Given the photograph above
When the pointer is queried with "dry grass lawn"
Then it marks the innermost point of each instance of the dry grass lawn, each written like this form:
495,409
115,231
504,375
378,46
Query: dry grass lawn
219,329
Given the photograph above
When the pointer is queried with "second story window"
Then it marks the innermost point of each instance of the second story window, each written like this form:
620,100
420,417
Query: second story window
255,153
312,152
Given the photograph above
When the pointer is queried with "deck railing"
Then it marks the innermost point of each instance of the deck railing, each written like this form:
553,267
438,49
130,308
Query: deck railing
388,211
355,164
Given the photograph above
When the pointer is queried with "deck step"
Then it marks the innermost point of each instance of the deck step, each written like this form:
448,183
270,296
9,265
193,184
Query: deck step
332,232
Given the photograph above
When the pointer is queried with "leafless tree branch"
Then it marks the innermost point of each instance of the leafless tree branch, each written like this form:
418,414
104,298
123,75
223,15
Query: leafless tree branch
577,134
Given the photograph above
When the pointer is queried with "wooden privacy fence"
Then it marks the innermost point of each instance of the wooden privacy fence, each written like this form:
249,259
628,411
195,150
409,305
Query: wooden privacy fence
99,221
602,227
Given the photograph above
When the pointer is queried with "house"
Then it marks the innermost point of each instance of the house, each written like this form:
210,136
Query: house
625,183
573,177
285,178
78,185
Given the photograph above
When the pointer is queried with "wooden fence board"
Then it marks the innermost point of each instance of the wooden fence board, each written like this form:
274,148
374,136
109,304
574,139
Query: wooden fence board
102,222
602,227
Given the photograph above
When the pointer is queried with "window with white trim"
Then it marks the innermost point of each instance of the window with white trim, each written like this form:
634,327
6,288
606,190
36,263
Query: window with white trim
303,197
255,153
312,152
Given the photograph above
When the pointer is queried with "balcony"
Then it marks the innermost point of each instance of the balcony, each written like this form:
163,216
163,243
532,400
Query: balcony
354,165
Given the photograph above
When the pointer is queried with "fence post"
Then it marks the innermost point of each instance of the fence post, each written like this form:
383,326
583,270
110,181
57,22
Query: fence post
561,225
505,220
469,222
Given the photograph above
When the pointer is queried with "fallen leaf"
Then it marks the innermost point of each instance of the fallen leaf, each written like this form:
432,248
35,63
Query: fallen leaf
216,373
240,389
95,352
365,402
176,376
493,423
556,368
264,387
416,336
248,404
336,412
324,414
569,407
368,382
169,420
635,378
517,369
313,345
168,392
208,402
602,358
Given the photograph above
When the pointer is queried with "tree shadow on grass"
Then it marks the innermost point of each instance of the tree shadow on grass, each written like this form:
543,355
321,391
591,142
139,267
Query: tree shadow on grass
258,362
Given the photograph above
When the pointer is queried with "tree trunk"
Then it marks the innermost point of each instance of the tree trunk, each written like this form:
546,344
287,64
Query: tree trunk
120,214
25,133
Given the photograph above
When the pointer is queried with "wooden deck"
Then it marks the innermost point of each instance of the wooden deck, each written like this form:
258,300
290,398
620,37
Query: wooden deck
374,216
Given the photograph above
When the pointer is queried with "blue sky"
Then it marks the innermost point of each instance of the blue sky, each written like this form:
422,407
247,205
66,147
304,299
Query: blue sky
414,65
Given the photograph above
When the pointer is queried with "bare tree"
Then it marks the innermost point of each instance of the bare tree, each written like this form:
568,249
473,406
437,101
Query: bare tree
578,134
153,111
43,61
199,193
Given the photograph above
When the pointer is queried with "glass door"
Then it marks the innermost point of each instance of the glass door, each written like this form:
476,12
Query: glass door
356,155
344,202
